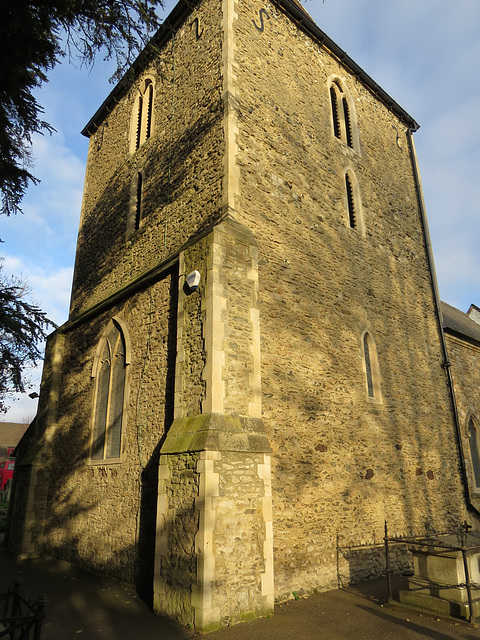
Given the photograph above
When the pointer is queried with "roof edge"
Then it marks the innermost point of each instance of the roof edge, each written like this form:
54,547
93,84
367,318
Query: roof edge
309,25
183,8
169,26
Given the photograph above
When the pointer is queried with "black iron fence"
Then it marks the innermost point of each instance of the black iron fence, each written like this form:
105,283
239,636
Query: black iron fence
21,619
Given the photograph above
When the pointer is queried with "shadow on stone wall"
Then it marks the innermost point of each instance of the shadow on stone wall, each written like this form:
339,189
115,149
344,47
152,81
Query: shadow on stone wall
179,201
77,515
352,462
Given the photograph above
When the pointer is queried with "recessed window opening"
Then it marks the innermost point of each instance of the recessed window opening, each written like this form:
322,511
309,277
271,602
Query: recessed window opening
110,379
368,366
348,123
371,367
138,203
335,116
474,452
148,124
350,202
142,117
343,115
139,122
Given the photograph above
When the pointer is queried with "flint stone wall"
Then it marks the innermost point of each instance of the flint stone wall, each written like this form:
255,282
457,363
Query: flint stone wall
342,464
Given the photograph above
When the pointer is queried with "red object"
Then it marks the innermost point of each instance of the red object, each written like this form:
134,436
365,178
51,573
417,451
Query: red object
6,472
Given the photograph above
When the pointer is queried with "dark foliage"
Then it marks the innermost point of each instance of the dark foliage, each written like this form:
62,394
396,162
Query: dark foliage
23,328
34,36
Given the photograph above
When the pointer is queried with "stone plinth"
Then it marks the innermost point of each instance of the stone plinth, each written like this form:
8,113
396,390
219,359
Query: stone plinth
439,580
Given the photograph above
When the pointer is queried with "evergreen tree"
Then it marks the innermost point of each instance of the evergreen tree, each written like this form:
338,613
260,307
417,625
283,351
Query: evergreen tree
34,36
23,329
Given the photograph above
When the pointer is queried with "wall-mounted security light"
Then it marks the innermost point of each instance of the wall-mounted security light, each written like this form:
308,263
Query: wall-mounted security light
193,280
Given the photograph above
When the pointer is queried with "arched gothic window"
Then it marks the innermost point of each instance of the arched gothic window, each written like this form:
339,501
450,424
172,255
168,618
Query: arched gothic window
142,117
473,442
343,115
371,367
109,373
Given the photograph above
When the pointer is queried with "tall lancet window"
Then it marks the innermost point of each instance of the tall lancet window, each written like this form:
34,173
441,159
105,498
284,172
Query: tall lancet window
142,117
135,216
110,382
352,215
343,115
371,367
353,203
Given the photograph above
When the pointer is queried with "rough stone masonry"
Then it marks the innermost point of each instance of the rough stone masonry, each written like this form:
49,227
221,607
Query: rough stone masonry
276,416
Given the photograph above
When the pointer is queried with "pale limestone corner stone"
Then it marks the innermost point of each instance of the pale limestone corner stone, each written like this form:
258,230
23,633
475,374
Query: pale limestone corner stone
210,455
202,594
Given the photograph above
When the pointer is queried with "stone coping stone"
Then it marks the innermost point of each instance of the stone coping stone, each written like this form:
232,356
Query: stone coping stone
216,432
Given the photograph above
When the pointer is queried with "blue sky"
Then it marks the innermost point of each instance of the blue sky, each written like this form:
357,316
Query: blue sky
424,53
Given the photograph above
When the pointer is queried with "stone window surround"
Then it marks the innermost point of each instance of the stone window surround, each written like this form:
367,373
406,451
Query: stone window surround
142,123
136,208
127,343
342,93
374,367
357,202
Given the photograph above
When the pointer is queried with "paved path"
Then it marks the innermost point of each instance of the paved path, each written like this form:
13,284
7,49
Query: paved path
83,607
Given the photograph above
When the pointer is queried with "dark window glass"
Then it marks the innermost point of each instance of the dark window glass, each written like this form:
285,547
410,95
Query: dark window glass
139,123
138,203
335,115
148,126
101,403
350,202
368,366
348,123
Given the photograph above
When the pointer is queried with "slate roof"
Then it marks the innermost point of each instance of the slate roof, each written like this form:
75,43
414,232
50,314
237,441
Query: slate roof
10,435
457,323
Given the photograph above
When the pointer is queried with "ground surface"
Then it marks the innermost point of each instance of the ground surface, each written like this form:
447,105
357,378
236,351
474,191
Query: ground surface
83,607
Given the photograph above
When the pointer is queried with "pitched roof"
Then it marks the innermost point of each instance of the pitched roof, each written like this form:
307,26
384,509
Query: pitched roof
10,435
11,432
457,323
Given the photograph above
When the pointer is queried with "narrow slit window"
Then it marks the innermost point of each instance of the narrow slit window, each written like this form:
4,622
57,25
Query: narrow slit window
474,452
368,366
138,201
139,122
148,124
371,367
335,116
348,123
350,202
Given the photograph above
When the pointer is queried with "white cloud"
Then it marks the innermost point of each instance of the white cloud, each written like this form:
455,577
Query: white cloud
50,289
22,409
423,53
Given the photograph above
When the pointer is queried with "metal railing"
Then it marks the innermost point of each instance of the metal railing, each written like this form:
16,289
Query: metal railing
439,543
20,618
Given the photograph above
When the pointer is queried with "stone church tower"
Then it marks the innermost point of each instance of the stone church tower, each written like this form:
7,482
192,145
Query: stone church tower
223,445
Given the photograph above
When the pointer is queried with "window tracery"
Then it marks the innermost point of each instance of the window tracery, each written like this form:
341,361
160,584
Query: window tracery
110,383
